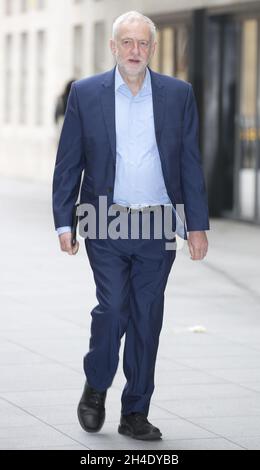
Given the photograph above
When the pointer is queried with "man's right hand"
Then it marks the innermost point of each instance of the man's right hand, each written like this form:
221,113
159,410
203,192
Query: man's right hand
66,245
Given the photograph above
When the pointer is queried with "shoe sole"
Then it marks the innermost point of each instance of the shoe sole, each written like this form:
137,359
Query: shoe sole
82,424
145,437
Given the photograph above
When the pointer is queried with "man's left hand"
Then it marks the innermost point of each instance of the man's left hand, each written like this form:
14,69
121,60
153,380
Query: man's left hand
198,245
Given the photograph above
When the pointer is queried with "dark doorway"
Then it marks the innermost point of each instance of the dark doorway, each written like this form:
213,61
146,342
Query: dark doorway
231,116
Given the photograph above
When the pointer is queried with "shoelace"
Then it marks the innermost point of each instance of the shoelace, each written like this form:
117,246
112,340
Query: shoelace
140,417
96,397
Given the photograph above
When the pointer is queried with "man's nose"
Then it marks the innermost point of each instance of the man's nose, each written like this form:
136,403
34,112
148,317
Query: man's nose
136,47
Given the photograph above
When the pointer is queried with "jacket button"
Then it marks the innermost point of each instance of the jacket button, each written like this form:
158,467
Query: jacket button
110,189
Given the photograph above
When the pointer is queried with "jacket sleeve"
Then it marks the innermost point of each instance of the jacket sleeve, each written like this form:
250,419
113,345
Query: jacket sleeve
192,178
69,164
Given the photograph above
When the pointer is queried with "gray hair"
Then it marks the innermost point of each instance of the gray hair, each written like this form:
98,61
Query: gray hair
130,17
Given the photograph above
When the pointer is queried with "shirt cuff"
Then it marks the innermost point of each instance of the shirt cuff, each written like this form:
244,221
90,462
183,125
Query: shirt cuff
61,230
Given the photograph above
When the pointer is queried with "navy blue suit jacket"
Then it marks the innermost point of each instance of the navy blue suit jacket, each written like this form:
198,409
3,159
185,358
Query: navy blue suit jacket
88,144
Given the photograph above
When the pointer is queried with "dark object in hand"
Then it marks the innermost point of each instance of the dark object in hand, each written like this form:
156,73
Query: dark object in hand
75,219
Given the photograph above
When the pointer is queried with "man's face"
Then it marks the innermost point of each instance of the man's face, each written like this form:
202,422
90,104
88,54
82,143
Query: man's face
133,47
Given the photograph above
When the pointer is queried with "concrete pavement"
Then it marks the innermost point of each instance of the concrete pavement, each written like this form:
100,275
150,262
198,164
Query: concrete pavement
207,392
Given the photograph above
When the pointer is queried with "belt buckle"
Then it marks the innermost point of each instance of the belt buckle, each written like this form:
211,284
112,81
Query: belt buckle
145,209
142,209
132,210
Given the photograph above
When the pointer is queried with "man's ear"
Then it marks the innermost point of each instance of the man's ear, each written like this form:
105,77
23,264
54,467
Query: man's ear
154,47
113,46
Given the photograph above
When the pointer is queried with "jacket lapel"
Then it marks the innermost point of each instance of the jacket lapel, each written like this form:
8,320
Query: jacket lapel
108,106
158,90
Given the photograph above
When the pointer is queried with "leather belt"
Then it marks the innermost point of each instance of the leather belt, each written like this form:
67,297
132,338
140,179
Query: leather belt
144,209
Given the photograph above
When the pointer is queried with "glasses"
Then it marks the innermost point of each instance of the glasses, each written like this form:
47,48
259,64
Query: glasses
129,44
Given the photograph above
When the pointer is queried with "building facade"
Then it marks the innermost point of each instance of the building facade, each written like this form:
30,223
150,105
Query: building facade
214,44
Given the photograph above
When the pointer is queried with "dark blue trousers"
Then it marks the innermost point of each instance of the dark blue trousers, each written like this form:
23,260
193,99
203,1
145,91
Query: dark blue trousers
130,277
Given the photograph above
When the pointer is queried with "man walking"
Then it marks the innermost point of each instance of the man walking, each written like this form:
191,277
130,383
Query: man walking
134,134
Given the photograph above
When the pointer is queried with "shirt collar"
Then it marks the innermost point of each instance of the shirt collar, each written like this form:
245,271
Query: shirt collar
145,88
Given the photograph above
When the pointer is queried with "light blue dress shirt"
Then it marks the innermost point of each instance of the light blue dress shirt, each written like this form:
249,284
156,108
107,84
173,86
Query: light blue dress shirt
139,179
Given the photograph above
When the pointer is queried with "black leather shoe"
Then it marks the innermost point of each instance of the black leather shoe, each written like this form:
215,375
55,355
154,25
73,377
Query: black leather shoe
137,426
91,409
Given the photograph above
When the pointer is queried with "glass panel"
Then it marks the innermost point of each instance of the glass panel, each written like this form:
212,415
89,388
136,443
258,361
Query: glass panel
8,102
8,7
41,4
99,47
182,53
40,76
23,78
258,132
247,122
23,5
249,69
77,54
171,56
155,62
168,50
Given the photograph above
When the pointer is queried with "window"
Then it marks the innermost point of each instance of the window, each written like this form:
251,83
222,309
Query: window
8,76
23,78
171,54
99,46
8,7
40,4
181,52
248,119
77,51
23,5
167,50
40,76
